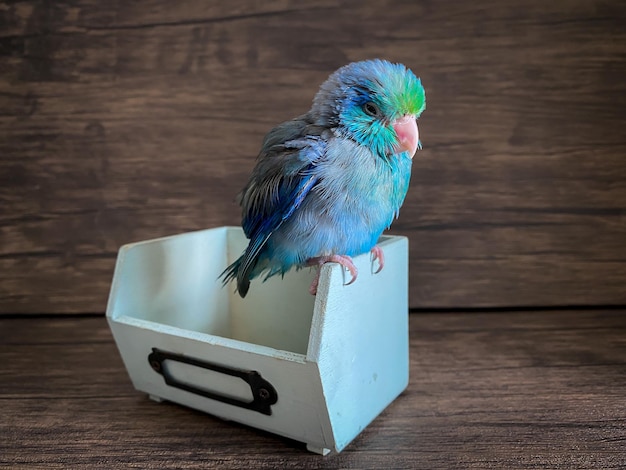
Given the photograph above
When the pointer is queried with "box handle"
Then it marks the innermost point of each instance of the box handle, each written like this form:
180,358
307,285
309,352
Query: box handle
263,393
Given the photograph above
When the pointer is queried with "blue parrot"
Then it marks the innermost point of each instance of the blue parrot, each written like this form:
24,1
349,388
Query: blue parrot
329,182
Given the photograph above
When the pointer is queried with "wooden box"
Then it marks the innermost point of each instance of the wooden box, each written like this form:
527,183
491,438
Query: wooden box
317,369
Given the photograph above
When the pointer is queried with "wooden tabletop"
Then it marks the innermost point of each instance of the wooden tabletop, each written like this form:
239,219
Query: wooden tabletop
518,389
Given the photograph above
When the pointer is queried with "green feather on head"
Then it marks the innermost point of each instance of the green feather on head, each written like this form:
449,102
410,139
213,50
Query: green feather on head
363,99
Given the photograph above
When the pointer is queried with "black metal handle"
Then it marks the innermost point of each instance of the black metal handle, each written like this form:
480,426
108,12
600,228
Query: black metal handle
263,393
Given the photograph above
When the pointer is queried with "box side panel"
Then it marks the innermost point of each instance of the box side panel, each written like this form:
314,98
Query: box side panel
360,339
275,313
174,281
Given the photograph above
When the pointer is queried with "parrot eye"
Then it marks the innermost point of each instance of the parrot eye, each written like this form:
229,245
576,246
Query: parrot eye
371,109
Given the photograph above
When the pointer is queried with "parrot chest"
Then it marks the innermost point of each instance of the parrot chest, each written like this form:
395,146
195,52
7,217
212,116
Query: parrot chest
368,187
356,199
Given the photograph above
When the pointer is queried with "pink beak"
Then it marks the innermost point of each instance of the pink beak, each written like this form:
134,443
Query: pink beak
408,135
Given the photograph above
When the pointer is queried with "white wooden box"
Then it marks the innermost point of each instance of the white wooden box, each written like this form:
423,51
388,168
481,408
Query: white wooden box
317,369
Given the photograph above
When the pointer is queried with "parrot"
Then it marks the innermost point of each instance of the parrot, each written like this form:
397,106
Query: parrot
326,184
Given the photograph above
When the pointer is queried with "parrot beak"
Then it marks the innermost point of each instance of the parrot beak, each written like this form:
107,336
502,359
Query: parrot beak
408,135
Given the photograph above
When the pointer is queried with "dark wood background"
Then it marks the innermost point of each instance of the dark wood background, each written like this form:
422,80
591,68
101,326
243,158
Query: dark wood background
122,121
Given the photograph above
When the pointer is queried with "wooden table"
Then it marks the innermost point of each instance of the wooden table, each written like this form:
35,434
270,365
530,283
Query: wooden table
517,389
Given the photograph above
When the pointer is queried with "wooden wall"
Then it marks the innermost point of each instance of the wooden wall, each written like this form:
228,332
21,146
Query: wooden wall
122,121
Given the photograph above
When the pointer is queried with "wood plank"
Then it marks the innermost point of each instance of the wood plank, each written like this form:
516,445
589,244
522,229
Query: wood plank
518,390
129,122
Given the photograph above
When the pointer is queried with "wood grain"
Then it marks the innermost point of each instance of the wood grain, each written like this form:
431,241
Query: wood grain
521,390
128,121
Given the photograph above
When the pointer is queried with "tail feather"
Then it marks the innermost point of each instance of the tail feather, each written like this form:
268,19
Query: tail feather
233,272
229,273
241,270
243,283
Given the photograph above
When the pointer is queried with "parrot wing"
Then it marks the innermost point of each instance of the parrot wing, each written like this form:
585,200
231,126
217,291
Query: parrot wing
280,182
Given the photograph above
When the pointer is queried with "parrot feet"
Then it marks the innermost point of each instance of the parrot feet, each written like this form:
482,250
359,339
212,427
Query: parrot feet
346,262
343,260
377,254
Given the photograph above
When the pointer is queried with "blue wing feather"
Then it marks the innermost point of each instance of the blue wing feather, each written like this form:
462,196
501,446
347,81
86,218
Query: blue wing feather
279,184
265,229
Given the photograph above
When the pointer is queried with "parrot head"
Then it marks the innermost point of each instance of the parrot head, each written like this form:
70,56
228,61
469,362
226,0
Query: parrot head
375,103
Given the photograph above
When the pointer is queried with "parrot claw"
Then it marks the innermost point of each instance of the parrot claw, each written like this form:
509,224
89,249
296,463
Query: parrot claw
377,254
343,260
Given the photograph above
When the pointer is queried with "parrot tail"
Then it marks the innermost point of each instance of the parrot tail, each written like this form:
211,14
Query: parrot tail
233,272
